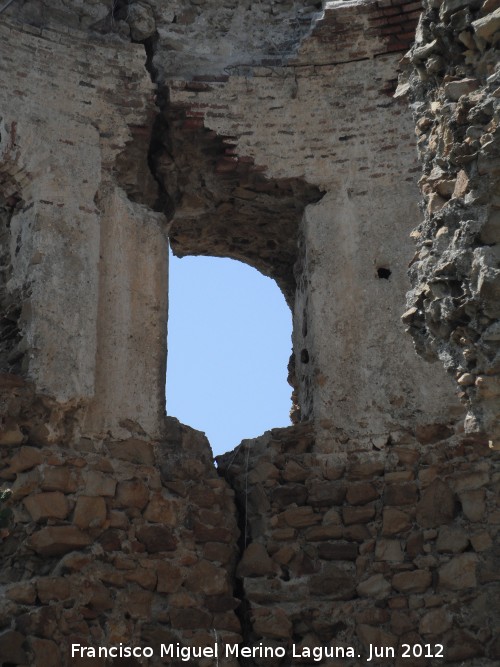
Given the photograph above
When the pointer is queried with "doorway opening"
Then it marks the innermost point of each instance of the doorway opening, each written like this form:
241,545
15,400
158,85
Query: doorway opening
229,341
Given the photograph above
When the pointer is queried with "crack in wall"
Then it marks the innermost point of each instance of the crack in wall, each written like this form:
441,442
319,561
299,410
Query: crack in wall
11,297
10,301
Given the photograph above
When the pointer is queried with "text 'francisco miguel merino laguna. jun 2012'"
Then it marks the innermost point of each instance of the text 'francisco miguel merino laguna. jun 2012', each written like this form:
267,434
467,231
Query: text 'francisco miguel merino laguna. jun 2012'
316,653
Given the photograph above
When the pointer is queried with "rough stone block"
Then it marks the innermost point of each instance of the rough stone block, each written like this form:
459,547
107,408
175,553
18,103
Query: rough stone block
301,517
133,450
146,578
161,510
272,623
358,533
284,555
11,434
97,484
216,552
329,532
426,434
283,496
462,645
25,484
11,647
455,89
204,533
376,587
360,494
334,583
24,459
46,652
389,550
451,540
53,588
133,493
338,550
326,493
50,505
459,573
22,592
111,539
255,562
265,471
90,512
58,540
353,515
59,478
472,480
400,494
437,505
169,577
294,472
487,26
481,541
366,469
402,621
414,581
206,578
395,521
156,538
435,622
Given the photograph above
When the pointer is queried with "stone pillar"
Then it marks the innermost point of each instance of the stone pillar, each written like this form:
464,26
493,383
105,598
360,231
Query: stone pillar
89,266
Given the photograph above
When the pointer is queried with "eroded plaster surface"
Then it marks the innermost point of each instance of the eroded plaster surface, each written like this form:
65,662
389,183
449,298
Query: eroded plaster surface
87,305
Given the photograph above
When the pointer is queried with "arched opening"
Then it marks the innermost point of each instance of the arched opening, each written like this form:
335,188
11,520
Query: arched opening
229,341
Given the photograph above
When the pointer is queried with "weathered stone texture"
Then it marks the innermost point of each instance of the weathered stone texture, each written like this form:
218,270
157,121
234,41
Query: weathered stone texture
67,210
452,79
103,568
404,577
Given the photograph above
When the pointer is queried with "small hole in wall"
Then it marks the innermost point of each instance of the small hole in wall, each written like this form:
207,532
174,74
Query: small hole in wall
304,356
384,273
229,342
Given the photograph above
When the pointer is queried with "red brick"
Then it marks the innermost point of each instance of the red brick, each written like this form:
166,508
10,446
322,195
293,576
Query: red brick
413,6
396,20
390,30
192,123
378,21
413,16
391,11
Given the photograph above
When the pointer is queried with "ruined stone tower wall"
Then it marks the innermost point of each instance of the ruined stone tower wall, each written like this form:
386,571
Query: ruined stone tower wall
269,133
453,315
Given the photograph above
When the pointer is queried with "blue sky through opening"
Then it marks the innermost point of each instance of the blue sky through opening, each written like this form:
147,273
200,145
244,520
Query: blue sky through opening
229,341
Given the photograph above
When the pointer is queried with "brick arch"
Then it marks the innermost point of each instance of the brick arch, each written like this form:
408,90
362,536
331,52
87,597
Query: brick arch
222,204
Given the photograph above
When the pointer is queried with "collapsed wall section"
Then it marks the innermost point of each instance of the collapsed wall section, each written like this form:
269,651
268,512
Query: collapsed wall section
223,203
452,79
328,118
